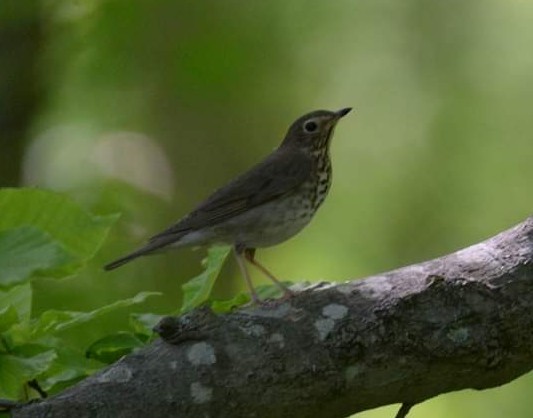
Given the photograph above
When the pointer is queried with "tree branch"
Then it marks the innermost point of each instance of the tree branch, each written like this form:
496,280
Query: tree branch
456,322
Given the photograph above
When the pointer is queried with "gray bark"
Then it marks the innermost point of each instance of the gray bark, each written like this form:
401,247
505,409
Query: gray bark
460,321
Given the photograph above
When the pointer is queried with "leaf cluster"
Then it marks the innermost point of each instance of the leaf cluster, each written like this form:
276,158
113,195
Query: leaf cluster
44,234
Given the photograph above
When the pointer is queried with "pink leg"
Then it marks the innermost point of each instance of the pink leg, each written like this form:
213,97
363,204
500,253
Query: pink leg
249,254
246,275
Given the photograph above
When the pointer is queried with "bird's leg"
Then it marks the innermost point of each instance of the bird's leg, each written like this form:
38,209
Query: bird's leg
249,254
244,271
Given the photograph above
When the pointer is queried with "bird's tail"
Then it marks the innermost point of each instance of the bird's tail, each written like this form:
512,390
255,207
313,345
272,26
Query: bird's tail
126,259
156,245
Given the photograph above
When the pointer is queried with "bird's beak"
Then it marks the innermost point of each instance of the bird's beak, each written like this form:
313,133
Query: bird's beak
343,112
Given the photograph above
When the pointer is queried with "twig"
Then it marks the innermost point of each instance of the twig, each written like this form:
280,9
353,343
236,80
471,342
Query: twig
7,405
404,410
36,387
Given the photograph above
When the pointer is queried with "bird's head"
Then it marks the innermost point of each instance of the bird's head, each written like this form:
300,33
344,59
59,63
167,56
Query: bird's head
314,130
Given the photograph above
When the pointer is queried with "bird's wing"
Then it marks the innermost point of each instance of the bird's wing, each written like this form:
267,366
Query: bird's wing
278,174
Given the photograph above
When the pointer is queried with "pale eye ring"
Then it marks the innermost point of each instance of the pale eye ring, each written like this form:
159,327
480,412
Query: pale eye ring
310,126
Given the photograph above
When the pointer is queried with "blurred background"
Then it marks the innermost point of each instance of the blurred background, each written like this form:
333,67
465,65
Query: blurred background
145,107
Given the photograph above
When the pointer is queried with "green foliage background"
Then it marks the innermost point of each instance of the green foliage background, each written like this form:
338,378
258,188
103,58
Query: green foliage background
142,108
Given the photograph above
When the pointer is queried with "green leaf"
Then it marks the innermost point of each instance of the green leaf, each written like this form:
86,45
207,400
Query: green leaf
112,347
67,368
15,371
54,320
197,290
267,291
80,233
271,291
8,317
25,251
18,334
222,306
20,298
144,323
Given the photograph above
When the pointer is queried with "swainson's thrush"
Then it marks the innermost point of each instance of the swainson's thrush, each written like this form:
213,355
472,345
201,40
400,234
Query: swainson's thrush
264,206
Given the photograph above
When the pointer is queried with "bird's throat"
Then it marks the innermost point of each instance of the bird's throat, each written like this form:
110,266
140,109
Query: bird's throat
322,145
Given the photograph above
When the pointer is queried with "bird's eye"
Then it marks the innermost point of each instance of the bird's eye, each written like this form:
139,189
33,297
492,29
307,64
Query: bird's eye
310,126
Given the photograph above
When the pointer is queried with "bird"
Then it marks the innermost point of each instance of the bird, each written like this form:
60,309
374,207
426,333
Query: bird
264,206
